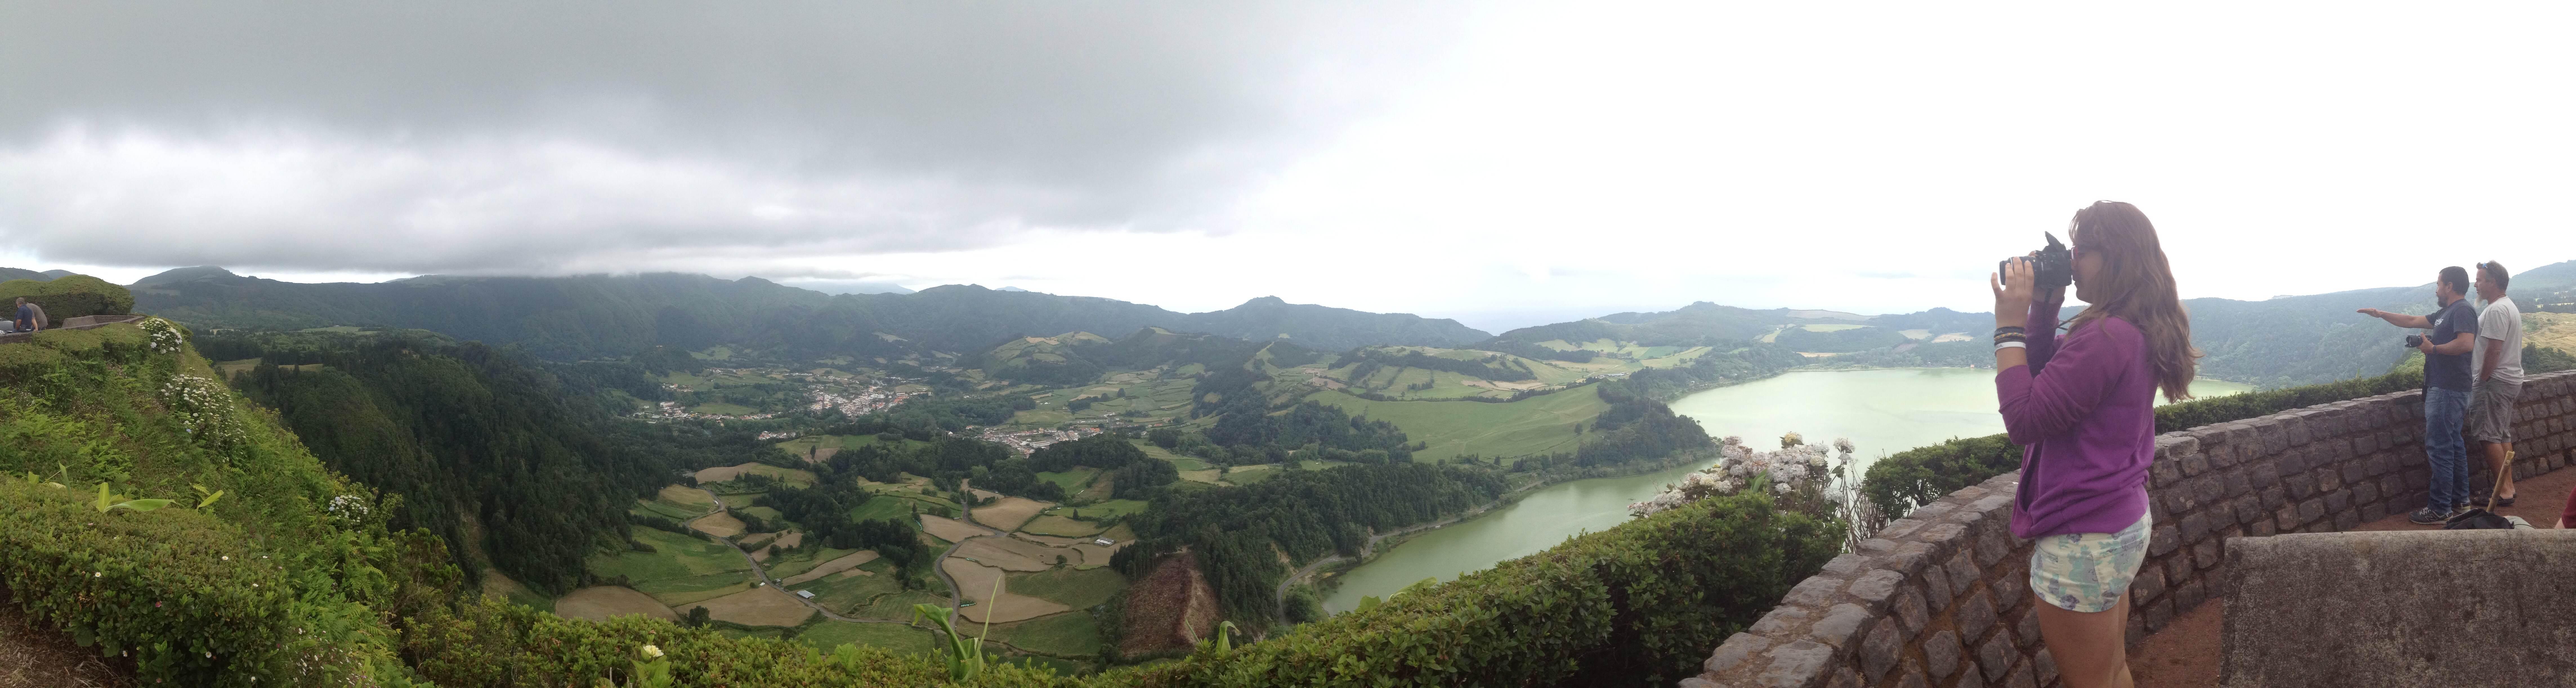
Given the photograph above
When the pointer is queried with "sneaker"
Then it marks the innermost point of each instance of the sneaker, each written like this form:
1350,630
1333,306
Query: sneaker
2427,516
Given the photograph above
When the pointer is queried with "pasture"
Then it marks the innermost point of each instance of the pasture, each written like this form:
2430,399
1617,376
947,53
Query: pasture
1072,481
852,591
792,564
798,478
719,525
1070,635
603,602
1009,555
883,508
1076,588
681,569
1051,524
1536,425
898,605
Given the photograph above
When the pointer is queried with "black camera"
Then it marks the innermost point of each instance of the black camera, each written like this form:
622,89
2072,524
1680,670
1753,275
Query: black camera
2414,341
2054,268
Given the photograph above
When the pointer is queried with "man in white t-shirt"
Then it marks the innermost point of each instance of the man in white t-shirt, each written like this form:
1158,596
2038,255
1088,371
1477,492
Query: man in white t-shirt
2496,360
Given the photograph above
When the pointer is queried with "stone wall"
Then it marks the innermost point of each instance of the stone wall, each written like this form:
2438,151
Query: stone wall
2510,623
1941,598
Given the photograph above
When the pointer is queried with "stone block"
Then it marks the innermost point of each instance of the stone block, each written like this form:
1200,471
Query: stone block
2162,473
2309,512
1941,655
2365,492
2194,464
1964,572
1908,559
1816,591
2157,613
2356,470
2246,508
2207,489
1994,546
2287,517
1847,565
2338,500
1734,651
2261,474
2205,554
2372,512
1913,677
1880,652
1795,665
2189,595
1844,678
2234,484
2149,584
2026,631
1936,588
1996,656
2197,526
1899,528
1910,611
1842,625
1876,588
2011,587
2164,539
2295,426
1945,538
2262,528
2022,677
1782,622
2300,486
2046,664
2346,520
2419,614
2276,439
1975,616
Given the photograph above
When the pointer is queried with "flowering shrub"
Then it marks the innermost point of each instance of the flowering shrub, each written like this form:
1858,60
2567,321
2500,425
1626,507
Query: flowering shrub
348,509
1806,477
204,408
165,336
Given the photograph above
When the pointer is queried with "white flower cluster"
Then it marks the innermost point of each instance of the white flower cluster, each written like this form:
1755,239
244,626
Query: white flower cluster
165,336
348,507
1795,464
204,407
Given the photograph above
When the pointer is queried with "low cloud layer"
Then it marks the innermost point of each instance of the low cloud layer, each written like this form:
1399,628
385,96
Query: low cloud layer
567,137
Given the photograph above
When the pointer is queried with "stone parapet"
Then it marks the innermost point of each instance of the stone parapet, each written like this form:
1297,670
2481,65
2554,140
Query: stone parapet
1941,597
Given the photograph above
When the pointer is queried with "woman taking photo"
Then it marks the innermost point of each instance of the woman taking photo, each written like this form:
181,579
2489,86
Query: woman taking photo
2082,406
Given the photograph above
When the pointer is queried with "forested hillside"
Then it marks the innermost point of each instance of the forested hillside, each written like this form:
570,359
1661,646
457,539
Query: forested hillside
502,457
600,315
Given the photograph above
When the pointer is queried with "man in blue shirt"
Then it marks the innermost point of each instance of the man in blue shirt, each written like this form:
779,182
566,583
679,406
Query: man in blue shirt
26,318
2446,389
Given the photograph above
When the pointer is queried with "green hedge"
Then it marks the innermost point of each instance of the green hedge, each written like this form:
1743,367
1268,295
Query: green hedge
69,297
1638,604
1900,481
183,592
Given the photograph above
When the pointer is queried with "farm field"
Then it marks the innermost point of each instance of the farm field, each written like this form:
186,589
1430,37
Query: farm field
680,570
1112,508
846,562
853,592
1530,426
1009,513
883,509
795,564
822,447
602,602
1076,588
1051,524
1073,634
1246,475
899,605
1072,481
799,478
760,606
897,637
719,525
977,584
949,529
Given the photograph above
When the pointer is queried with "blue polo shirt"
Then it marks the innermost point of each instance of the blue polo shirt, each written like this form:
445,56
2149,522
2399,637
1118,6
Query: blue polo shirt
2451,371
26,312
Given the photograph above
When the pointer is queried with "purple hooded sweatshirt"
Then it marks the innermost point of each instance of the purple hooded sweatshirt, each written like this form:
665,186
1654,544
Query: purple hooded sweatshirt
2086,423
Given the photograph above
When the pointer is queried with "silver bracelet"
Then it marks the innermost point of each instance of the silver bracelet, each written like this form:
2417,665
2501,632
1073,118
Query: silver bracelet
2011,345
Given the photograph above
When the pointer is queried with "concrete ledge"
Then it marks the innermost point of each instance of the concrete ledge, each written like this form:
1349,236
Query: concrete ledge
2403,609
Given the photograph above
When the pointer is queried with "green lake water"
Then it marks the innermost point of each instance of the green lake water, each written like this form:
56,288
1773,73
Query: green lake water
1881,411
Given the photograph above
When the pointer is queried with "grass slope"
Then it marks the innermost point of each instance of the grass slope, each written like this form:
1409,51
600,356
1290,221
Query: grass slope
1535,425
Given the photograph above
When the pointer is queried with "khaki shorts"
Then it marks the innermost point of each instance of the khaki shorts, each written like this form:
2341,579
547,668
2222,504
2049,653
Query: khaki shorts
2491,411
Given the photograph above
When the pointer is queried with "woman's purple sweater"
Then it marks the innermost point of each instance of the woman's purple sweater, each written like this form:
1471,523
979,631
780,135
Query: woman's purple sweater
2086,423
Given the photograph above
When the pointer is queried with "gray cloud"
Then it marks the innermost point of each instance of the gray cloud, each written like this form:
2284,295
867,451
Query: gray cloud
549,137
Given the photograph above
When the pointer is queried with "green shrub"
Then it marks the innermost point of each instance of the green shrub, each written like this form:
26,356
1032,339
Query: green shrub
71,297
185,593
1917,476
1638,604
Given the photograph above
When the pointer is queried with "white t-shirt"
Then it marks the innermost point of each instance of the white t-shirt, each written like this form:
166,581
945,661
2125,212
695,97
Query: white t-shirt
2500,321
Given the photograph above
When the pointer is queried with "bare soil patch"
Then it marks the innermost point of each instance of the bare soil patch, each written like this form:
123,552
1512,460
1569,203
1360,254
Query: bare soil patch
948,528
719,525
1170,610
976,583
845,563
760,606
599,603
35,656
1011,554
1009,513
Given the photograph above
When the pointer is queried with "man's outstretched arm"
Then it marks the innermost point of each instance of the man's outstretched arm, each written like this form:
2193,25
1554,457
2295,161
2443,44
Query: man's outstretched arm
2398,319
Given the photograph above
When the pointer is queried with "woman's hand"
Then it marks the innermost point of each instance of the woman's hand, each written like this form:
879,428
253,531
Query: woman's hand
2013,292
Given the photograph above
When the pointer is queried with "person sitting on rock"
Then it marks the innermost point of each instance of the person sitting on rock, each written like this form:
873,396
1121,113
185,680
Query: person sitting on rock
31,317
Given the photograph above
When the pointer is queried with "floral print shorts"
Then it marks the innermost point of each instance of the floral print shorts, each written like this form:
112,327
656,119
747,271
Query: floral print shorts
2088,572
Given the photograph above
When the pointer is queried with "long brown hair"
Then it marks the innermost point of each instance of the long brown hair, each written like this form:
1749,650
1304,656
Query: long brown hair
2137,285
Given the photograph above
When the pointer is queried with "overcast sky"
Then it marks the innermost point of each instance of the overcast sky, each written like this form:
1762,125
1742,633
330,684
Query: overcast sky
1505,164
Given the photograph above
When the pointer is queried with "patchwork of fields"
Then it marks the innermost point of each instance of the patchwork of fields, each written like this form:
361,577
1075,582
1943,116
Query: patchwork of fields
1537,425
